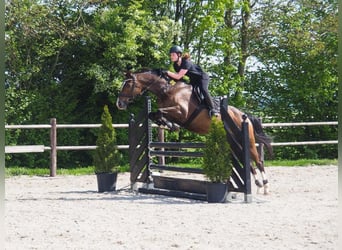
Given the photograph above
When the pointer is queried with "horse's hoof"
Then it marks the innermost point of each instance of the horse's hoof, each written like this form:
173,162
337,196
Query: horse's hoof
258,183
169,125
174,129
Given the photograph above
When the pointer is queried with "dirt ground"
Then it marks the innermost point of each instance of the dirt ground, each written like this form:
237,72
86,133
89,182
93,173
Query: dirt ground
67,212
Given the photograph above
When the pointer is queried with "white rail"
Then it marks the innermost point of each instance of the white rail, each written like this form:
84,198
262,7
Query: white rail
294,124
299,143
53,148
26,149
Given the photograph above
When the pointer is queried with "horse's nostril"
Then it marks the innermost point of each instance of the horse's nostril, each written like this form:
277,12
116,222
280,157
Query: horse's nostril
121,104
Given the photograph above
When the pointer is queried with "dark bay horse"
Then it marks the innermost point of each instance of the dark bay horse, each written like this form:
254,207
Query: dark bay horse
178,106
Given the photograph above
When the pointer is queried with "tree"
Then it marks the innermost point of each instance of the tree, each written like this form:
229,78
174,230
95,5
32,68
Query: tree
297,75
40,40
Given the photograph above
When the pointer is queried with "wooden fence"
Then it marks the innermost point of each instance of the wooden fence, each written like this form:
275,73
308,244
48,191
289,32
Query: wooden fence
53,147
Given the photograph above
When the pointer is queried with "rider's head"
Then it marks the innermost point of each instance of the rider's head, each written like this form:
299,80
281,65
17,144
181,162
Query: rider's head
176,49
175,53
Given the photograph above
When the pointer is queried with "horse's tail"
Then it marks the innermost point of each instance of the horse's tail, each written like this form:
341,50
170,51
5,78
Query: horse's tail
260,135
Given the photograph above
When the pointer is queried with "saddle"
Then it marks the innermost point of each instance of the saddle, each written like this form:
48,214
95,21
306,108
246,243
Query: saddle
197,94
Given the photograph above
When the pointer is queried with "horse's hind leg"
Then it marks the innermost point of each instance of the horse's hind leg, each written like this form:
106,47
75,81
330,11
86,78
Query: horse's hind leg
256,180
259,163
261,168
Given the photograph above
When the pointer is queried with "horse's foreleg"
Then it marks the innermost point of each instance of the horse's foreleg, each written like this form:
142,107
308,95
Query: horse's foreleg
171,125
160,120
156,117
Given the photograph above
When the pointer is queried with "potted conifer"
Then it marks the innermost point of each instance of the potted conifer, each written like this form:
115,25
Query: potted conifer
217,164
106,157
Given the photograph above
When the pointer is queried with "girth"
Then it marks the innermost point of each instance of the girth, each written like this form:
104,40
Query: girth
194,114
196,94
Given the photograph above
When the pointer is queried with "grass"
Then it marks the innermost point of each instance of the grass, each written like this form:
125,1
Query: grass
17,171
301,162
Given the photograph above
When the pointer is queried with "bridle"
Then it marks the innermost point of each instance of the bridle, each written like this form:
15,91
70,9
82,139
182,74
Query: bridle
133,86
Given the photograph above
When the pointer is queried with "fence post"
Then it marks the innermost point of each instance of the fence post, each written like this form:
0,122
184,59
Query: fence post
148,109
53,145
246,160
260,147
161,138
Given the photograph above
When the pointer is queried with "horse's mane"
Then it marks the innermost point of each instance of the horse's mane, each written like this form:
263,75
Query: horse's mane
153,72
143,70
157,73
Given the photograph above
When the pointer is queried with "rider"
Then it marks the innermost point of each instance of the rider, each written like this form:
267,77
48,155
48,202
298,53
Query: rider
183,66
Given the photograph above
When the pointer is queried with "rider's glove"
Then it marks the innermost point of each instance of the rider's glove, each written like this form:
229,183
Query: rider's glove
164,73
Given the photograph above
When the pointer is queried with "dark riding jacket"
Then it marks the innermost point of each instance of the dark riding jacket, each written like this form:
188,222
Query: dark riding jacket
198,78
195,72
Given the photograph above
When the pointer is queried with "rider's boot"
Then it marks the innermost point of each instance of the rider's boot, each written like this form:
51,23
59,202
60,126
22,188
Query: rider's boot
209,101
213,112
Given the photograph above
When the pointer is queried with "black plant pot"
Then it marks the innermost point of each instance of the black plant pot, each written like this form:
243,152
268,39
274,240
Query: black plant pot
106,182
217,192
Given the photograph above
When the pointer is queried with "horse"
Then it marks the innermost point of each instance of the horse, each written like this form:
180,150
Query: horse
179,106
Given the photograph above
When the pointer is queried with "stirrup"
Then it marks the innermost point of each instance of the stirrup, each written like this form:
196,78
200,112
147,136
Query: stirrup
213,113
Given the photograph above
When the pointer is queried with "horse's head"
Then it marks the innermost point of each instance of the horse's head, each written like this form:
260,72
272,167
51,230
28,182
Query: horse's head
136,84
130,89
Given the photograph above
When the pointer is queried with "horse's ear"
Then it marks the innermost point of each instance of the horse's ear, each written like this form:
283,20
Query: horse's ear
129,67
128,74
128,71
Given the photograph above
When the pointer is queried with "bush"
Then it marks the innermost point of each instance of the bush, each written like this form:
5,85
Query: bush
106,156
217,164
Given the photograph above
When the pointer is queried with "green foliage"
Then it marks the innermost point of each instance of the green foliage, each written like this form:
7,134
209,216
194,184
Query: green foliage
295,78
126,34
217,164
106,156
298,66
45,41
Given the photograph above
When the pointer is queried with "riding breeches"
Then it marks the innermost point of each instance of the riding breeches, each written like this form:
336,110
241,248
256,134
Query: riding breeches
202,84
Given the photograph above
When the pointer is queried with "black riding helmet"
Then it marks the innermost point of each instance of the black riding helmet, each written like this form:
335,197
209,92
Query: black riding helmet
176,49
